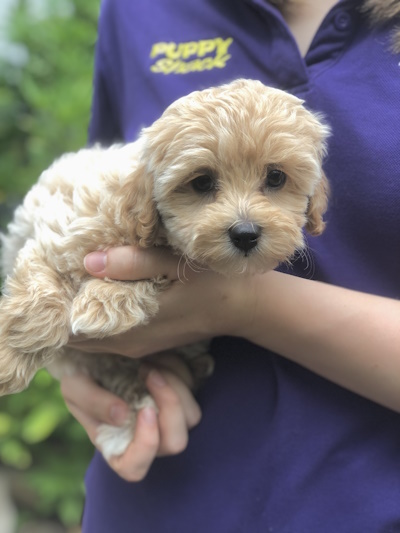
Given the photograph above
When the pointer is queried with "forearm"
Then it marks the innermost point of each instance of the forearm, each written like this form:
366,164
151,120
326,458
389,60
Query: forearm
349,337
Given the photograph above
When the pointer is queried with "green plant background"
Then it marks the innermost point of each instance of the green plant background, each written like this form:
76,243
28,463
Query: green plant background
44,112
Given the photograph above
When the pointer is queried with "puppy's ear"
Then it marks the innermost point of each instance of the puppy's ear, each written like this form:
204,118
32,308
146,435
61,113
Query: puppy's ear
137,205
317,206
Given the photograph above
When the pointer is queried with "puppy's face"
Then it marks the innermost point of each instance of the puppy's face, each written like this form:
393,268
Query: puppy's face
237,175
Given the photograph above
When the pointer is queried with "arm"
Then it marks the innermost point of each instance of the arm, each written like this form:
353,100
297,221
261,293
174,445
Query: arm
348,337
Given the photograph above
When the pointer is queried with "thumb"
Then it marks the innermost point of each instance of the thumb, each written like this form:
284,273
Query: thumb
132,263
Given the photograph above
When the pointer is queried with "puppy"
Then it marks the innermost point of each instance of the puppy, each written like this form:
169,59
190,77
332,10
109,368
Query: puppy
227,178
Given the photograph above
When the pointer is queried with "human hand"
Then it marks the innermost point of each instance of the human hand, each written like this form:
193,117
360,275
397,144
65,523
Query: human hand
198,305
166,433
332,335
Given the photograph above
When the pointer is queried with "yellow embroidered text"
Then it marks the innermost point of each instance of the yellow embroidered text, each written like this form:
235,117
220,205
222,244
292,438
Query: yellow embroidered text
192,56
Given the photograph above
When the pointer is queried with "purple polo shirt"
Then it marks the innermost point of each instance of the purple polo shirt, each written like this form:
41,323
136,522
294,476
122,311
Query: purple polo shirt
279,449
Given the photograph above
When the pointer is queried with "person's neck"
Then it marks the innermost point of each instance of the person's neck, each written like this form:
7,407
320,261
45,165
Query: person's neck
304,17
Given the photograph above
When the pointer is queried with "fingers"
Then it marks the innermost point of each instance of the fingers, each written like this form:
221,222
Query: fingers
133,264
100,405
165,434
155,435
134,464
169,360
92,406
178,410
89,424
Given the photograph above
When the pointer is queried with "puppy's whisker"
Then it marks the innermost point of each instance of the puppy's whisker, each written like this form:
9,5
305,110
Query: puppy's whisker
305,256
288,264
195,267
185,262
310,262
184,270
178,269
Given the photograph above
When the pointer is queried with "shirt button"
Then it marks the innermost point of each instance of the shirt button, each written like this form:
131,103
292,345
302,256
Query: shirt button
342,21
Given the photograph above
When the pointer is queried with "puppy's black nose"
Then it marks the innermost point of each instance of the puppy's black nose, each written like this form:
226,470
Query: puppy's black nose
245,235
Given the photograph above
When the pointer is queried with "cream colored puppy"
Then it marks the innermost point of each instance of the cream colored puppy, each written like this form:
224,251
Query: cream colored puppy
228,178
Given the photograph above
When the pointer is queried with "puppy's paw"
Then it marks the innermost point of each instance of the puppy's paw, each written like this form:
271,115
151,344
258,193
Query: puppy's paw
103,307
199,361
202,367
114,440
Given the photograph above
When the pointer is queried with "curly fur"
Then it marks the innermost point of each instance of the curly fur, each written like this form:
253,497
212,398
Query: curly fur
141,193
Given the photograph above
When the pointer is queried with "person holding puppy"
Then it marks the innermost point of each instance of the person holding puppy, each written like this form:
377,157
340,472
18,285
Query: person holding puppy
299,430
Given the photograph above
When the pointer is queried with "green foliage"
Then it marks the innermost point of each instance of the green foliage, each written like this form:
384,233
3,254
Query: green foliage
40,438
44,111
45,103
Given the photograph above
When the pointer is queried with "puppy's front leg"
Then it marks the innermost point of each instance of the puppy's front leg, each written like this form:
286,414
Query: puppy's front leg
34,325
106,307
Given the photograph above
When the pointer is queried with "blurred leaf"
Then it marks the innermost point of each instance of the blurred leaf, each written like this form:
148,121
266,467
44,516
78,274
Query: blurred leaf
14,453
43,379
5,424
45,104
70,510
41,422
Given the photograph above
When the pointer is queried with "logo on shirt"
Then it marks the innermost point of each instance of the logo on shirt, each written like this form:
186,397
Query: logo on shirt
191,56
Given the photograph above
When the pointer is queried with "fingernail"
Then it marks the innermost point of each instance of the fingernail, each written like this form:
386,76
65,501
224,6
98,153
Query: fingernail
157,379
95,261
149,415
119,414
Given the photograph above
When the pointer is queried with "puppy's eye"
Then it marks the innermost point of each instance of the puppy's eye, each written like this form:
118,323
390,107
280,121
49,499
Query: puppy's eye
276,179
203,184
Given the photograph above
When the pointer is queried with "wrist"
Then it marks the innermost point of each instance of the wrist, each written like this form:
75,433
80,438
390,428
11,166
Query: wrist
238,315
263,319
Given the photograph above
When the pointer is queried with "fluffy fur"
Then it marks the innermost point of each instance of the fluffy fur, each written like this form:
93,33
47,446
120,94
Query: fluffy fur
144,193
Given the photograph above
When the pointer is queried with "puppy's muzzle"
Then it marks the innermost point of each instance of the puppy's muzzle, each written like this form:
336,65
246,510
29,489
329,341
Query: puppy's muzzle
244,235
